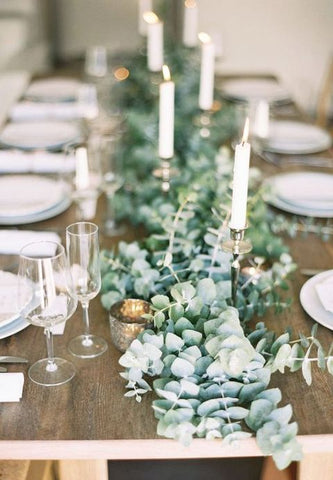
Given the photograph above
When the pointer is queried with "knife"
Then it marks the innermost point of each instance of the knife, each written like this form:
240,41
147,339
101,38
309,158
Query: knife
10,359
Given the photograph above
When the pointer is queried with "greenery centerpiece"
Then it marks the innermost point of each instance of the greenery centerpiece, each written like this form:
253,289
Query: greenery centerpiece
210,363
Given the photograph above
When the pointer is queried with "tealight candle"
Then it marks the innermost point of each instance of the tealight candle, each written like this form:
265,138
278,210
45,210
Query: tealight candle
143,7
240,182
206,93
154,42
190,24
166,115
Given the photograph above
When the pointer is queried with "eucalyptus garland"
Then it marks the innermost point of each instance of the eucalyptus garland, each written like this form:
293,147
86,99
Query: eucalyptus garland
211,366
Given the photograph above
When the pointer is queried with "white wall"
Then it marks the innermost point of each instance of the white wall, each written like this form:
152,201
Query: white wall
292,39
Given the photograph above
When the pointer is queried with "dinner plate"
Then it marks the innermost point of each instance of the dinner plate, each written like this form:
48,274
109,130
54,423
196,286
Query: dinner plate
39,135
53,90
38,217
296,138
310,301
13,327
24,195
254,89
8,295
302,193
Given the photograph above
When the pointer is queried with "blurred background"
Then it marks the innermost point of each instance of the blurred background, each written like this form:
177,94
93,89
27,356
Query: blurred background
292,40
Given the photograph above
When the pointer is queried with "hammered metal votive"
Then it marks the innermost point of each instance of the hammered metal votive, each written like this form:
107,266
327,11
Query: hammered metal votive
126,321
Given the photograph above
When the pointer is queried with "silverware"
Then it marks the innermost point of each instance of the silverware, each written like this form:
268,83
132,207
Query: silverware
11,359
284,160
3,369
310,272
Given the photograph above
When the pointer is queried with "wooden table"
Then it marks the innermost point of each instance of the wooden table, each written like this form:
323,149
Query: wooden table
88,418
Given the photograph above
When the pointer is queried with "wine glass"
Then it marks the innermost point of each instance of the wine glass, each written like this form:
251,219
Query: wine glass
44,300
83,256
106,147
84,181
96,62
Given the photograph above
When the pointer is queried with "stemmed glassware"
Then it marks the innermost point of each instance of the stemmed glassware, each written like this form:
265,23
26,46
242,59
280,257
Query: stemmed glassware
105,147
44,300
83,256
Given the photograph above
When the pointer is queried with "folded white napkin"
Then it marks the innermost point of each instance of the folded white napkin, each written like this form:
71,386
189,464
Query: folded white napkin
325,293
40,161
27,110
11,241
11,386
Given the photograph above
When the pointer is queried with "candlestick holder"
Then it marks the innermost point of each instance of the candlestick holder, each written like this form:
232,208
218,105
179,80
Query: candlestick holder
237,246
205,121
165,173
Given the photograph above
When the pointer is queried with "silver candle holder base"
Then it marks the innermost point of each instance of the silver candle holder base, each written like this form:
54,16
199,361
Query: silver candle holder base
165,173
236,246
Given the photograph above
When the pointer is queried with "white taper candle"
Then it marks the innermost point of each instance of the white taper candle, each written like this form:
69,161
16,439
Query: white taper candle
240,182
154,42
206,93
166,115
143,7
190,23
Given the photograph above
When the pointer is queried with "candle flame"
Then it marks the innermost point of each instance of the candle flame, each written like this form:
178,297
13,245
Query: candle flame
121,73
166,73
246,131
150,17
204,37
190,3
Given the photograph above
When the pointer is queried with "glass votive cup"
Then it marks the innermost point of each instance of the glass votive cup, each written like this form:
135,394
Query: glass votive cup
126,321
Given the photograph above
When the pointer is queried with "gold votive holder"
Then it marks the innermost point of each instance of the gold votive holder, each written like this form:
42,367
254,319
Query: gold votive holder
126,321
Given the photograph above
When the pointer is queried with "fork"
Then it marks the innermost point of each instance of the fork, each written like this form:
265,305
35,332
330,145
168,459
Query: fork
284,160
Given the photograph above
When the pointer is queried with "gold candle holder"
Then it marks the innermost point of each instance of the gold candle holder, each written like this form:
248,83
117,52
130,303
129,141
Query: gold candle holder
126,321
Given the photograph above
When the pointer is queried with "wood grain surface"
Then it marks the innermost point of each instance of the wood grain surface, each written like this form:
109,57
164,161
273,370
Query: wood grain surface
89,417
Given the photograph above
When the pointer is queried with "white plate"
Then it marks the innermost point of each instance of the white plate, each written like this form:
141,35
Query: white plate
296,138
302,193
13,327
53,90
39,135
254,89
310,301
24,195
38,217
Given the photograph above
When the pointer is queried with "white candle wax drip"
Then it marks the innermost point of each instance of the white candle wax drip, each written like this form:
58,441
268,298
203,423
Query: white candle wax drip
240,182
206,93
190,25
154,42
166,116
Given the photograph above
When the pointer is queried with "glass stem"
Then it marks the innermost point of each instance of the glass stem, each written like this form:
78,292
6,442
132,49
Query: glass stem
87,340
51,366
110,209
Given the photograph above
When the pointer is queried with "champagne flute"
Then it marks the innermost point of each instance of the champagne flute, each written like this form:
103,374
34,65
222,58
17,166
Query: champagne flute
83,256
44,300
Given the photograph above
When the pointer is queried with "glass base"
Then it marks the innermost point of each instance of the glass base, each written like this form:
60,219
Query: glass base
111,228
51,374
87,346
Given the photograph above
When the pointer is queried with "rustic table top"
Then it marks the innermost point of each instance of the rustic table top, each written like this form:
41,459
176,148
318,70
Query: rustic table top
89,417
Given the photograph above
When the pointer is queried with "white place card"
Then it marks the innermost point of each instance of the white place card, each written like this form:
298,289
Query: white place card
11,386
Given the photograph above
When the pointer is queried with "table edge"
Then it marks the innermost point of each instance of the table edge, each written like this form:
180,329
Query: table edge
145,449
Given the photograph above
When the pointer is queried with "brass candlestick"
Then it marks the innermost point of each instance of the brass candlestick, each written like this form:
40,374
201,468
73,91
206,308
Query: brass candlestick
237,246
165,173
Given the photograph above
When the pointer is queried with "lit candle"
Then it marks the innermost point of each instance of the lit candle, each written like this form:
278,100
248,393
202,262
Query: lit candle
82,169
143,7
261,120
206,93
154,42
240,181
190,25
166,118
